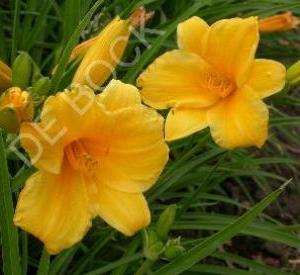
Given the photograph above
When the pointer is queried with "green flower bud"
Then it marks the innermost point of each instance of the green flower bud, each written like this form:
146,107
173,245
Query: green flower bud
165,222
16,106
293,74
153,247
40,88
173,248
22,71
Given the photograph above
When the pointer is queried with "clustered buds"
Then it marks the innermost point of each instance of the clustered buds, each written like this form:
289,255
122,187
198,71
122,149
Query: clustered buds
16,106
156,240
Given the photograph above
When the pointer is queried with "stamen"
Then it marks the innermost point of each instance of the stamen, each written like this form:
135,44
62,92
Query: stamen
79,158
219,84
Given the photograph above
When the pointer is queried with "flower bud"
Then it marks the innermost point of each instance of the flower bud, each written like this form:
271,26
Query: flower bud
173,249
16,106
293,74
165,221
104,54
40,88
5,76
22,70
82,48
153,247
280,22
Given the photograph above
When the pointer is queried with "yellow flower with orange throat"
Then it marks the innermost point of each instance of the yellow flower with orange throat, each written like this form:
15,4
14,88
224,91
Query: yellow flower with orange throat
96,155
213,80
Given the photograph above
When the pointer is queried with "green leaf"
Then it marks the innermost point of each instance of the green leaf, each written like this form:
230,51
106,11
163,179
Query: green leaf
9,233
209,245
15,29
44,263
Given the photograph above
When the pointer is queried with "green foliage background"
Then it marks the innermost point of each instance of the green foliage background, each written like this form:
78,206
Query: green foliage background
211,187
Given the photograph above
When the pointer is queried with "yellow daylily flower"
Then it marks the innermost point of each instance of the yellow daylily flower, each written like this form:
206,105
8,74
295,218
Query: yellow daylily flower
5,76
213,80
103,54
96,155
280,22
16,106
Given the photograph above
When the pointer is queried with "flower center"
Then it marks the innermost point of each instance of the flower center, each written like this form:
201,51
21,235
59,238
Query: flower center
79,158
219,84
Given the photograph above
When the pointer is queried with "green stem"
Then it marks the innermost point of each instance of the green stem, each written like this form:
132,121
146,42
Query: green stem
145,267
44,263
9,233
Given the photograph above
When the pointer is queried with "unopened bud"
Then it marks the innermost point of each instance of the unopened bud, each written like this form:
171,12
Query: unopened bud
40,88
22,71
165,221
173,248
139,17
293,74
103,54
280,22
153,247
16,106
82,48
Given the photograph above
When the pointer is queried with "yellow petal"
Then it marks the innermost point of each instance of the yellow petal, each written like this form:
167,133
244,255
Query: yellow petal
177,78
43,153
128,213
5,76
192,34
104,54
135,152
267,77
55,209
231,46
118,95
240,120
183,122
66,117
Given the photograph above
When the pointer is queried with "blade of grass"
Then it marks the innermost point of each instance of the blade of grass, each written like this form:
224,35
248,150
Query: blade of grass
119,263
44,263
252,264
24,238
206,247
15,30
38,26
61,259
80,266
9,233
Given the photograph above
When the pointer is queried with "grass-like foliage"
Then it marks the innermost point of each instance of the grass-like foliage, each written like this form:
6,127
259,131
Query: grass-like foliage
219,194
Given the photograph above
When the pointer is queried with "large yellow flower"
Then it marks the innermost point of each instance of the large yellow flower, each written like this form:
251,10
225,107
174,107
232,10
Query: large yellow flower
96,155
213,80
